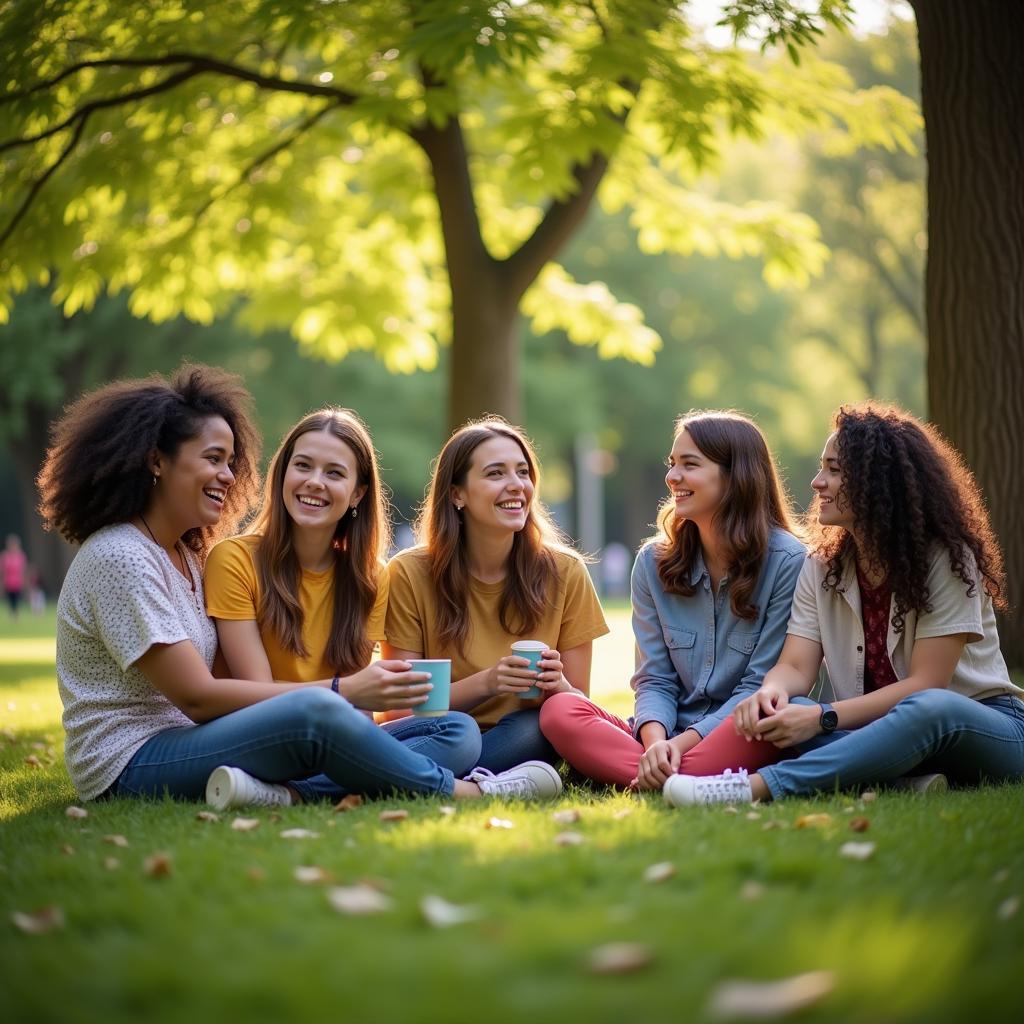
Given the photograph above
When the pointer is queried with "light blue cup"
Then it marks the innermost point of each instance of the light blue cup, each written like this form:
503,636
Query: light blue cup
439,698
531,650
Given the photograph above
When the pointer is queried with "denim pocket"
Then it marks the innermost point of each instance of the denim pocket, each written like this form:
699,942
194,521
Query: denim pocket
681,644
739,646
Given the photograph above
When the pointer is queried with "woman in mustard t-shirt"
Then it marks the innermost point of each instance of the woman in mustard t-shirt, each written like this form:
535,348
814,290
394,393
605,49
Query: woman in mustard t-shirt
491,569
302,596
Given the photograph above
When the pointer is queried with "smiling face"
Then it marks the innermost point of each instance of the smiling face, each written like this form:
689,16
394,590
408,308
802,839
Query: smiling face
833,508
321,481
497,491
694,481
193,483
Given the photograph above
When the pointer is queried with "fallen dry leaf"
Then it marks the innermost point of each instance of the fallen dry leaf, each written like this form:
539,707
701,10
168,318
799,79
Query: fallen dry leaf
568,817
730,809
751,891
446,810
569,839
393,815
76,812
813,821
67,849
33,762
1008,908
868,796
753,816
299,833
111,863
439,913
311,875
498,823
358,899
622,812
348,803
859,824
767,1000
619,958
256,874
245,824
116,841
769,825
157,865
39,922
8,736
660,872
857,851
209,816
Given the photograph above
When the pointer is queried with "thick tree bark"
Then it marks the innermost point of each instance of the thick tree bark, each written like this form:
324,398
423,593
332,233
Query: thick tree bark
972,78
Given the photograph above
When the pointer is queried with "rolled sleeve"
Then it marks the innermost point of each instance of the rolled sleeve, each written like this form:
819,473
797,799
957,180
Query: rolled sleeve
803,618
655,680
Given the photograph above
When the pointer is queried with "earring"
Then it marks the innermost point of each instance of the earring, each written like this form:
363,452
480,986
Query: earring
154,479
355,511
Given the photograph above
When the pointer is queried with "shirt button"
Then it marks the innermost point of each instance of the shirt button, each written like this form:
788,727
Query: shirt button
860,650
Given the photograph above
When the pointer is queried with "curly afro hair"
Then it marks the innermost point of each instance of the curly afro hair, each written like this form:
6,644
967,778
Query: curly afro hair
97,473
908,490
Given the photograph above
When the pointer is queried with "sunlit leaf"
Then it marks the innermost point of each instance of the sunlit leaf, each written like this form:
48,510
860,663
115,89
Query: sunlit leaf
769,1000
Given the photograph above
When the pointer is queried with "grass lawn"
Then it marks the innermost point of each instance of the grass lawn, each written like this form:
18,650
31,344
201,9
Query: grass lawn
926,929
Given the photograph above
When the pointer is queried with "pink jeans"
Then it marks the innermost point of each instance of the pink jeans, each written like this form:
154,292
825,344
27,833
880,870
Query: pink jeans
601,745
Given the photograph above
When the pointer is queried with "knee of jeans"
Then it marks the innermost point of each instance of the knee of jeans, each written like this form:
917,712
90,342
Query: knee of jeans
929,705
465,735
557,712
316,709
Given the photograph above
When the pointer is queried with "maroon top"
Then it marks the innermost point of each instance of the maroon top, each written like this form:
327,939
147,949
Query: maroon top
874,604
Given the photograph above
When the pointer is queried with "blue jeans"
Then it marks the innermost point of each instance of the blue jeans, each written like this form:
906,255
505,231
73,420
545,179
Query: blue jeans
514,739
969,741
311,739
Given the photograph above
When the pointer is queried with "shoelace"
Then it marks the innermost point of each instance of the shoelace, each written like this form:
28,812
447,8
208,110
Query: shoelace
723,787
516,785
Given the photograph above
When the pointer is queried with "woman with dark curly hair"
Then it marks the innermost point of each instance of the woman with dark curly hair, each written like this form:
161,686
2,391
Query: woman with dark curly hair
145,475
899,598
711,595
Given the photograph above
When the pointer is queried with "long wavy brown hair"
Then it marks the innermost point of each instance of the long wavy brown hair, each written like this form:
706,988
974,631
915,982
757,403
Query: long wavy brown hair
532,569
359,545
753,504
97,469
908,489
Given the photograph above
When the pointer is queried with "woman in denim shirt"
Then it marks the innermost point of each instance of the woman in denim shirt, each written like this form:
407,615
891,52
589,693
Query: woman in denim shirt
711,596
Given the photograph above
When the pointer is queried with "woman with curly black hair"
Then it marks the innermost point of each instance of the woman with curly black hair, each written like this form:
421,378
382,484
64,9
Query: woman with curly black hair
899,597
145,475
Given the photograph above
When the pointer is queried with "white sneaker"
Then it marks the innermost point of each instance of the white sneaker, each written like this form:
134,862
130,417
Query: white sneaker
930,784
531,780
231,787
727,788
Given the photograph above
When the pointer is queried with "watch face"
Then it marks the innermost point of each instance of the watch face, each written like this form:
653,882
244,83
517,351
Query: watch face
829,720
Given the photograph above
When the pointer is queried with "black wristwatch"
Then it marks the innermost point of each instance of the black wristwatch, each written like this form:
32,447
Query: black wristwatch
829,718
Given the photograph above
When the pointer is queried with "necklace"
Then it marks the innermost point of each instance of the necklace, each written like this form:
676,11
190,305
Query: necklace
181,554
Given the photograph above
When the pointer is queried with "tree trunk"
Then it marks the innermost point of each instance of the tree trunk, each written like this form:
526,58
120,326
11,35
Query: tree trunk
485,353
972,84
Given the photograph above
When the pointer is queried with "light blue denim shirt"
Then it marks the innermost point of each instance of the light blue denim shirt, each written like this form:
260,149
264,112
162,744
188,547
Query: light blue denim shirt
695,659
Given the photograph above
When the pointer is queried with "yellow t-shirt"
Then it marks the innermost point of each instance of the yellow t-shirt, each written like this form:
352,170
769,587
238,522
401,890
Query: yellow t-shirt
233,592
572,617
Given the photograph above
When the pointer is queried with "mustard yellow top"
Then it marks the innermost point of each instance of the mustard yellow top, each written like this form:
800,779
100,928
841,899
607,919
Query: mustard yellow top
572,617
232,592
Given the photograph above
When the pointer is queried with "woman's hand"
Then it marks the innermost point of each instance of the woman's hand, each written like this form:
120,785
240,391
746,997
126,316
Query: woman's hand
768,701
512,675
660,761
552,674
790,725
386,686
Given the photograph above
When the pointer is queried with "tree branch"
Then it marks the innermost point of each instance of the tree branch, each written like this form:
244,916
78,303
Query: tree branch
902,295
41,181
264,157
92,106
199,63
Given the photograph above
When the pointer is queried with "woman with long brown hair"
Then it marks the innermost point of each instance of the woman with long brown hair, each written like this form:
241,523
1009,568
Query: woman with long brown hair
898,598
491,568
711,595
